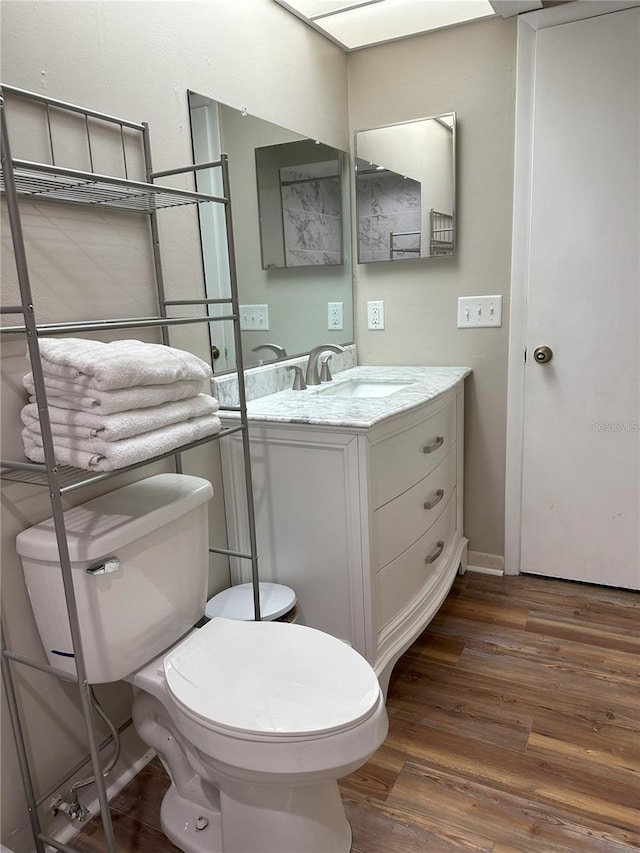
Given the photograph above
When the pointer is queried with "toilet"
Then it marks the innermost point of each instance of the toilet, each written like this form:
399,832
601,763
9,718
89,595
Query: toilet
254,721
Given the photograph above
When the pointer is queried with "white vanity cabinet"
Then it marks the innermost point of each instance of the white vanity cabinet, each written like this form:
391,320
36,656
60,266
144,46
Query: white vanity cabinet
364,523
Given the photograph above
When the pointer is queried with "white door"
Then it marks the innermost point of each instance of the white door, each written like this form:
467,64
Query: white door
581,461
205,130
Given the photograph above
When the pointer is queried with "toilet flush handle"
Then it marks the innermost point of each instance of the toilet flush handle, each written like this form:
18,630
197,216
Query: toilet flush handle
104,567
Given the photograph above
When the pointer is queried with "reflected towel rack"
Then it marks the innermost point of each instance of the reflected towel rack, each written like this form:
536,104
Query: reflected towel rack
395,250
441,230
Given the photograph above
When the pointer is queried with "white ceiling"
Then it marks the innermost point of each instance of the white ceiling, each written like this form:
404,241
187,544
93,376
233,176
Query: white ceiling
354,24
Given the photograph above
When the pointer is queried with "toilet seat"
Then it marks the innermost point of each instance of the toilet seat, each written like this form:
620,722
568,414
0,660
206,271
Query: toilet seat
270,680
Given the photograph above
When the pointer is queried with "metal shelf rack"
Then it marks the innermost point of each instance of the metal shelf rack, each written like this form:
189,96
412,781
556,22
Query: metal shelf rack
51,182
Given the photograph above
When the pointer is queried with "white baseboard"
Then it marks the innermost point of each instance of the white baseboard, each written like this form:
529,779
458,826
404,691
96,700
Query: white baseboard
486,564
484,570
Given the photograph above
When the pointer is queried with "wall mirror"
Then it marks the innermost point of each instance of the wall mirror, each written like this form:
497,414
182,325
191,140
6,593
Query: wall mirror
405,190
288,296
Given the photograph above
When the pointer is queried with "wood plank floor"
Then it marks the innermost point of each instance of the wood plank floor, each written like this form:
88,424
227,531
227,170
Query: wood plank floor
514,728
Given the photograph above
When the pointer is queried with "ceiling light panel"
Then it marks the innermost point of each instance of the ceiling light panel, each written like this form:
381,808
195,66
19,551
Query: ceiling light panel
395,19
313,8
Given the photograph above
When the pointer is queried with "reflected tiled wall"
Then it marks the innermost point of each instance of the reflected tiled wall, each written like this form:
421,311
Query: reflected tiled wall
387,203
311,210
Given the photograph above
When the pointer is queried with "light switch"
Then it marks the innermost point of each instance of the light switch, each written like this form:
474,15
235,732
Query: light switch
254,318
479,311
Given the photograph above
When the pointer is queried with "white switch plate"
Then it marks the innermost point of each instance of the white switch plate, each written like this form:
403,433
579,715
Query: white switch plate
335,319
254,317
375,315
479,311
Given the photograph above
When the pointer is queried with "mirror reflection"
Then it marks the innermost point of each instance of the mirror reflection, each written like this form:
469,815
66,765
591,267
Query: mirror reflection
300,204
405,190
284,308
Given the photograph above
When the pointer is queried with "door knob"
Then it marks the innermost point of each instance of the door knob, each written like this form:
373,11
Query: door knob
542,355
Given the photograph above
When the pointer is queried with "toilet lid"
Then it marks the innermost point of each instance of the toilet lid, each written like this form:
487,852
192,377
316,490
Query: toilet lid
237,602
272,679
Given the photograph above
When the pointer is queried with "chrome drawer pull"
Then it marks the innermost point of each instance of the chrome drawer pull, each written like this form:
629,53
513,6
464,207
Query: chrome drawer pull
104,567
436,500
437,442
433,556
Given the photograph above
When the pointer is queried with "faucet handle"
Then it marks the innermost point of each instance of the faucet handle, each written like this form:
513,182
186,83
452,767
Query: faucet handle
325,373
298,380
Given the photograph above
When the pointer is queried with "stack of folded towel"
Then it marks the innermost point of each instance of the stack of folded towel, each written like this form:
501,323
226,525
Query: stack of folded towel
112,405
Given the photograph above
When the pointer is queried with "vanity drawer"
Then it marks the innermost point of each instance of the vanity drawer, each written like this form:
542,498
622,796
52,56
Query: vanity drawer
400,522
400,583
403,459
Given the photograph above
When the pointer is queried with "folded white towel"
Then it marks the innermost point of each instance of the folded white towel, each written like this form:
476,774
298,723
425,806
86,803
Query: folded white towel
68,395
93,454
80,424
119,364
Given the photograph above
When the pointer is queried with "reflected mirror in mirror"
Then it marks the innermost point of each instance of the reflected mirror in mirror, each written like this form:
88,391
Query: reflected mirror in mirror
300,204
405,190
284,309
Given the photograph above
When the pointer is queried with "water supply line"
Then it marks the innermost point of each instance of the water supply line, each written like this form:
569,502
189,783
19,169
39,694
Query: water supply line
69,803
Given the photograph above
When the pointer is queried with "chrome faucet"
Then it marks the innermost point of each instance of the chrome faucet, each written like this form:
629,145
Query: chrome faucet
279,351
313,377
298,380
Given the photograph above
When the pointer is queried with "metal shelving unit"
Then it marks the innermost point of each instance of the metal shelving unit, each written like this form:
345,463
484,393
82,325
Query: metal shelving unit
51,182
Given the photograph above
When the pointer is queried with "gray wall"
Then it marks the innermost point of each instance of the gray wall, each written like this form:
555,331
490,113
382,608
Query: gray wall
469,70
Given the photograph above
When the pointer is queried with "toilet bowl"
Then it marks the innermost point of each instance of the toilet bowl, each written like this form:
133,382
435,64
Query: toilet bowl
269,726
254,721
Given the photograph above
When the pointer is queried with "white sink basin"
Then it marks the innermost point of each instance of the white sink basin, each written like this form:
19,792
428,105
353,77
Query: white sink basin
361,388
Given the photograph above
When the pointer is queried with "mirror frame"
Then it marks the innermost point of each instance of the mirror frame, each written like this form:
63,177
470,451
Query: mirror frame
451,125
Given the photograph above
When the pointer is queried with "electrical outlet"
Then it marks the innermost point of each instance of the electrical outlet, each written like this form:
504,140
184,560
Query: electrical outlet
479,311
254,318
375,315
335,319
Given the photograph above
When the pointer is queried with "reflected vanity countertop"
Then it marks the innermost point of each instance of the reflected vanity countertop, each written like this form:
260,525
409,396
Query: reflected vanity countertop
359,397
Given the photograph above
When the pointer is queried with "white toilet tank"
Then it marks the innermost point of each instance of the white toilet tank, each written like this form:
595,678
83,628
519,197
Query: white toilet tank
139,559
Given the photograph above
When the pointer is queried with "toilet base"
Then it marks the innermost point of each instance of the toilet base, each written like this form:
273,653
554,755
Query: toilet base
211,807
188,825
283,819
307,819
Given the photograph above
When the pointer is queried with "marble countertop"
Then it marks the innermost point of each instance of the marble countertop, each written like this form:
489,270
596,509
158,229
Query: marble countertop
317,405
